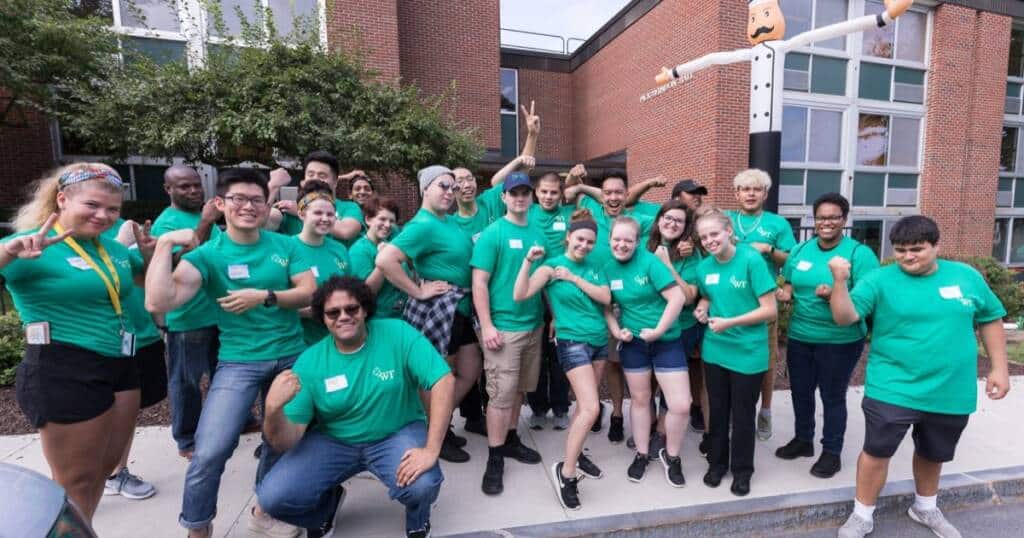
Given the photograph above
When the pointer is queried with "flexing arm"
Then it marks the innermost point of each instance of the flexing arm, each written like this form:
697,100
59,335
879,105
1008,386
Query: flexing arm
843,312
636,192
165,290
599,294
281,433
346,229
573,192
689,68
522,162
675,300
528,285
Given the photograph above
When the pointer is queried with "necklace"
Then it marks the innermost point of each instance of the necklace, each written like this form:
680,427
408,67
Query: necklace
743,230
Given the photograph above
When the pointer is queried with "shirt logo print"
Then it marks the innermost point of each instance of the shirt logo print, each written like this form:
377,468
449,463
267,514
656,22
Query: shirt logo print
737,283
282,261
384,375
641,280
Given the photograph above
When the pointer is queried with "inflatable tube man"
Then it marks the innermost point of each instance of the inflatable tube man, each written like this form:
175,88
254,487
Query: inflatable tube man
766,27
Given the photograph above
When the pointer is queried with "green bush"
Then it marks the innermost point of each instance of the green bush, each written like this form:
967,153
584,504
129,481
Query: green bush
998,277
12,346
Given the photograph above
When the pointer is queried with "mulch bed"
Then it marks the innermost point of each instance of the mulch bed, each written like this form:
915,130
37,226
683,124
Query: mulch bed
12,421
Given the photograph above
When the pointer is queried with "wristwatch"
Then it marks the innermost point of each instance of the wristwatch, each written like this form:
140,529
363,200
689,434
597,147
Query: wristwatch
271,299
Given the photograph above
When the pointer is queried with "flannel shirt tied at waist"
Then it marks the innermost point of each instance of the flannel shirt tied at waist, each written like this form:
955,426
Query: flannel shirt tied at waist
434,317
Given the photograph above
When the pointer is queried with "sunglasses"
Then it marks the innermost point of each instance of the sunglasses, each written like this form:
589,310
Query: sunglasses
350,310
447,186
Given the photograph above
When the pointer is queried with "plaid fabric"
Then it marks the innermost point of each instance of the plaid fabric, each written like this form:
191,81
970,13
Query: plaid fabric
434,317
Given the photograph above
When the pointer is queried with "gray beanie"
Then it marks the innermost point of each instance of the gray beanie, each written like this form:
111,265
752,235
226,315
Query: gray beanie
429,174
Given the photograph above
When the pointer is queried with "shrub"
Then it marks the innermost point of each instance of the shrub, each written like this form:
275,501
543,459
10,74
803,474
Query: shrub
12,346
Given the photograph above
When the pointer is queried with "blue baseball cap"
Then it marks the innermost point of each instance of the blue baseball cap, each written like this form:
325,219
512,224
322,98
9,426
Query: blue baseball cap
517,179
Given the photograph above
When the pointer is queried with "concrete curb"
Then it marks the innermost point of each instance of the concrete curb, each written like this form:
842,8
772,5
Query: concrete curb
776,515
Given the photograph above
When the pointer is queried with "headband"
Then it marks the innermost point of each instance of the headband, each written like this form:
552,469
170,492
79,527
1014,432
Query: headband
311,197
583,225
79,175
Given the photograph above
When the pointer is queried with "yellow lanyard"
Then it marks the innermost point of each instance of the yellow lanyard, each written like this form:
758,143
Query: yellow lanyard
113,286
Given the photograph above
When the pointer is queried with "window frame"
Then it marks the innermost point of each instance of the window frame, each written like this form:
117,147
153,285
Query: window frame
515,111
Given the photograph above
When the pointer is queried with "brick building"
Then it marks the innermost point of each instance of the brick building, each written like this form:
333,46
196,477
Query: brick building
921,117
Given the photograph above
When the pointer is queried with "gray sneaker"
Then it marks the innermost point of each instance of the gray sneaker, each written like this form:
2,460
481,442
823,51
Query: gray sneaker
560,422
764,426
128,486
856,527
934,520
537,422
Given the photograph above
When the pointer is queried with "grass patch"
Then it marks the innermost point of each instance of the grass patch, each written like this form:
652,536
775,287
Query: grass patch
1015,351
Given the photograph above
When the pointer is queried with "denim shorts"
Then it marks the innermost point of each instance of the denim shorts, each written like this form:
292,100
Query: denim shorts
691,339
572,353
638,356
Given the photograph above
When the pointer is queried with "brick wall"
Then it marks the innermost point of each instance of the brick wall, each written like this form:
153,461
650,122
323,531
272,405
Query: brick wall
445,42
369,29
26,153
553,94
963,126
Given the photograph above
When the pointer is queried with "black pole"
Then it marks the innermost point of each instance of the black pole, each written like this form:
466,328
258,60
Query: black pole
765,154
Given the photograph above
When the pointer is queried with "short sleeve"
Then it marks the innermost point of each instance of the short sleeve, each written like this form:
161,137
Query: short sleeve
787,268
989,307
349,210
865,295
660,275
761,279
424,364
300,409
594,206
600,278
485,251
197,258
414,239
12,270
361,261
299,260
863,262
688,269
491,201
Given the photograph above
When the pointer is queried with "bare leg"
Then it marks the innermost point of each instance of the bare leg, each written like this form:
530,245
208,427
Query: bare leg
768,382
71,452
926,476
584,385
467,367
498,420
126,411
872,473
613,376
640,408
676,388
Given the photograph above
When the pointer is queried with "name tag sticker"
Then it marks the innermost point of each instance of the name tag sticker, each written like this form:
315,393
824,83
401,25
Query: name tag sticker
558,226
951,292
515,243
37,333
711,279
336,383
316,272
78,263
803,265
238,272
476,236
616,284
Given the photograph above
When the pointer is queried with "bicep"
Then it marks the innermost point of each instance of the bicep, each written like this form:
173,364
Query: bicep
187,279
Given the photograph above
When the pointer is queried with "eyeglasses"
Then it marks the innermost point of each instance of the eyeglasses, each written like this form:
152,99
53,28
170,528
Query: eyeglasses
350,310
448,186
673,220
829,218
238,200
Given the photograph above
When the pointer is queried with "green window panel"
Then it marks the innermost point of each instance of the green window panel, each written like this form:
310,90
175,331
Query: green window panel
902,181
791,177
875,81
161,51
868,189
828,76
1005,184
1018,194
509,139
1012,105
799,62
819,182
908,85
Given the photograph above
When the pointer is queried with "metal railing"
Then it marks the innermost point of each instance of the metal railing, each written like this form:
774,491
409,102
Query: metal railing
563,48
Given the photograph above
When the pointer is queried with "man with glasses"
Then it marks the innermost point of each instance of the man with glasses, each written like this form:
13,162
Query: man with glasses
362,384
259,280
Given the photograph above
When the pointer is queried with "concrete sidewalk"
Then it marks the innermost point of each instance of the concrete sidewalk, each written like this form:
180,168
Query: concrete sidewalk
993,440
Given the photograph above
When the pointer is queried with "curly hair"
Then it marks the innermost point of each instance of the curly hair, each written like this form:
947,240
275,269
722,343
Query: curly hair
350,285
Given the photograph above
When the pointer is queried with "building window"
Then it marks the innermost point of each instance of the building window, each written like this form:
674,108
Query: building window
811,140
1008,240
509,112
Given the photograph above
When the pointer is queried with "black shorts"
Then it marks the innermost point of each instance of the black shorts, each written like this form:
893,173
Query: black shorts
463,333
152,365
65,384
935,435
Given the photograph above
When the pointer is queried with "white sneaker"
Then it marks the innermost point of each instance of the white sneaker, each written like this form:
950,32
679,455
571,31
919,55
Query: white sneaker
128,486
764,426
537,422
264,525
856,527
934,520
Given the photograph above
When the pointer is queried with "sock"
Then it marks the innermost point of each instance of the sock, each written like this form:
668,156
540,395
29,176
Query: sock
494,453
512,438
766,412
923,503
865,512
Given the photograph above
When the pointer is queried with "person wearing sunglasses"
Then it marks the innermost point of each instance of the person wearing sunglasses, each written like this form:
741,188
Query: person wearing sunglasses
259,279
820,354
439,305
362,384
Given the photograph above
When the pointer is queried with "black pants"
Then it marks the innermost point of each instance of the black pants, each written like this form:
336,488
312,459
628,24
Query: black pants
472,406
552,386
732,400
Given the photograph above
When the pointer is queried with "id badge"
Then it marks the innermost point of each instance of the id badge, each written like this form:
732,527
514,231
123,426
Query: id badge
38,333
558,226
128,344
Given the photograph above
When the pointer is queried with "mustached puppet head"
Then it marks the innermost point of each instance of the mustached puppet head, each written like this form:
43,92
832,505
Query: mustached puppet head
765,21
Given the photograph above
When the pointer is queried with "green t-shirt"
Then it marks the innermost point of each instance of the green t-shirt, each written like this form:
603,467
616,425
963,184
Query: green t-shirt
489,208
368,395
806,269
765,228
647,209
343,209
390,300
260,333
733,289
500,251
687,269
199,311
576,316
602,252
141,321
636,286
60,288
439,251
326,260
923,350
553,224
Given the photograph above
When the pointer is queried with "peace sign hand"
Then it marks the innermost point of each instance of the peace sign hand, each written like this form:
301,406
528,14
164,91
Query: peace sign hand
532,120
32,245
143,238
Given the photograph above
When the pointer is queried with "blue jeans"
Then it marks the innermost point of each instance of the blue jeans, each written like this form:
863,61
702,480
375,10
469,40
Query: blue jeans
826,367
190,354
299,489
638,356
572,354
232,392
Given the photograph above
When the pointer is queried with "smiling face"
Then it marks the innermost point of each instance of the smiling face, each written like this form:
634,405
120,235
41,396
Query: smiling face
467,185
829,222
244,206
751,197
765,22
715,235
89,208
440,194
671,224
344,317
381,224
321,215
623,240
362,190
613,190
579,243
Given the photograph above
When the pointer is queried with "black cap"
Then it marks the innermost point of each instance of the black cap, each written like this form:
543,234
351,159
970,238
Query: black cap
688,186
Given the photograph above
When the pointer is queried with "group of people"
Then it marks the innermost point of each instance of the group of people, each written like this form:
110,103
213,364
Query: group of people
359,338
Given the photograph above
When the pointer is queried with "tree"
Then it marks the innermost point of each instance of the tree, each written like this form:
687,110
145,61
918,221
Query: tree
47,49
266,104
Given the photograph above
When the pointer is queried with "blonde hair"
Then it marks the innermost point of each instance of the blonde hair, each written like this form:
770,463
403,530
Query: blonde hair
627,221
718,217
43,203
752,177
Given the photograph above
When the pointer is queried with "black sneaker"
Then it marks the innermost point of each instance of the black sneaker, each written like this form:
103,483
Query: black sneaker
568,491
587,467
827,465
424,533
600,418
631,443
655,445
673,469
451,452
638,468
338,498
493,483
794,449
616,434
456,440
515,449
478,426
705,445
713,478
696,419
740,486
